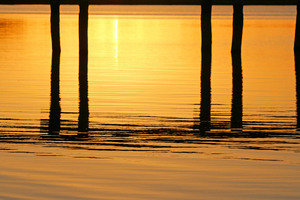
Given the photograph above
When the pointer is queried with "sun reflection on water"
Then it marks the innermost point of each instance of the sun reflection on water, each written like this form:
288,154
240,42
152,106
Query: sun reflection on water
116,39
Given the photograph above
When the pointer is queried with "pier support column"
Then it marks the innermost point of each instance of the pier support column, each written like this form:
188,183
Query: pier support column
54,5
83,120
206,8
237,92
238,21
55,109
205,105
83,26
297,63
297,73
297,32
237,77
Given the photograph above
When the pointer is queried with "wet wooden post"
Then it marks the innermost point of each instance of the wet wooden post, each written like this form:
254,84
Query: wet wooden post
205,105
54,5
55,109
83,120
238,20
297,32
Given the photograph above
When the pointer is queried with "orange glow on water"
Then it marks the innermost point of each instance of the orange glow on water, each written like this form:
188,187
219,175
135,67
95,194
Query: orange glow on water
142,106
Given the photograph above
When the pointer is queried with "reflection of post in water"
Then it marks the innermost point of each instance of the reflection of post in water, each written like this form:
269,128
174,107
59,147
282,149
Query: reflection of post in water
205,105
54,118
237,92
83,121
237,77
55,110
297,63
297,72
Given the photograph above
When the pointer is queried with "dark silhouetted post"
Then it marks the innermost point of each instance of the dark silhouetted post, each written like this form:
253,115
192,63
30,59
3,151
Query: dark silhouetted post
206,25
297,73
297,63
237,77
83,27
83,121
297,32
205,105
55,110
54,4
238,20
237,92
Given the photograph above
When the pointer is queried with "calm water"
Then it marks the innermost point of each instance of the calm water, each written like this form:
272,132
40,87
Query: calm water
144,106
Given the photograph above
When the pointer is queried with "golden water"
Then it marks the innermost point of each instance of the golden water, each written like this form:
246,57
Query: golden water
144,106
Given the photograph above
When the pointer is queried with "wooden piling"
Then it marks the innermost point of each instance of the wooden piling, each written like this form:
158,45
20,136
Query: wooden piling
297,63
237,77
205,105
83,26
237,92
297,74
206,26
83,120
54,20
297,32
152,2
55,109
238,20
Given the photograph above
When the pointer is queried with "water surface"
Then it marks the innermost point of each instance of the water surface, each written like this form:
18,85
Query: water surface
143,105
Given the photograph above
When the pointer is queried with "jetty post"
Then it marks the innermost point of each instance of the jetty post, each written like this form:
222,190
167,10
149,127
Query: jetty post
55,109
237,76
297,63
297,31
237,26
206,51
297,74
83,119
54,20
237,92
